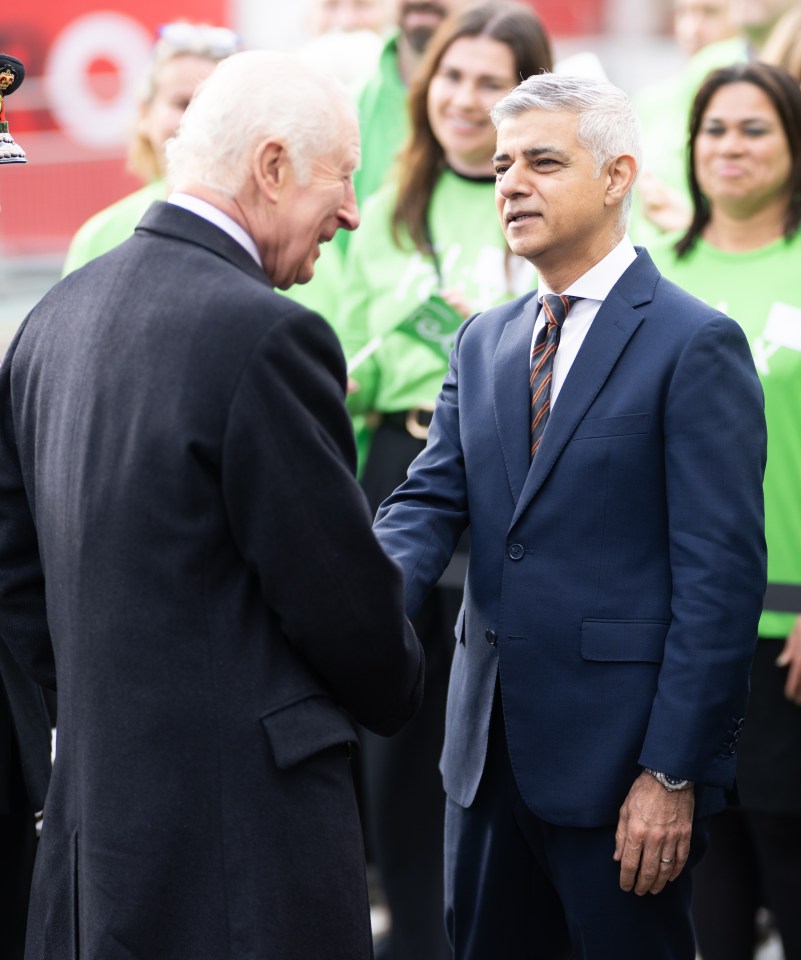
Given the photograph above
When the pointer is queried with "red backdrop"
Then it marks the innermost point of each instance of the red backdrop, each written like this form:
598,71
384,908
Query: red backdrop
72,115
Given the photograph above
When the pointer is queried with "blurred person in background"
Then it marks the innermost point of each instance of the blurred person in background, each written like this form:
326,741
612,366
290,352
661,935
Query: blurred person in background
183,56
662,202
659,202
347,38
697,23
329,16
429,251
741,254
783,45
383,118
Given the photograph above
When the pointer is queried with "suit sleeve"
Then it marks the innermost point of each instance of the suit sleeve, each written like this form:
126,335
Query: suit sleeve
23,613
715,450
420,523
303,526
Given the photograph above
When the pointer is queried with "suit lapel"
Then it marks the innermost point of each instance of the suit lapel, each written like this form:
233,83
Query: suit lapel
510,394
609,333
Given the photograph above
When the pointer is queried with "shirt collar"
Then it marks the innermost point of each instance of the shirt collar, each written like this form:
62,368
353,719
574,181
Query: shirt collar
216,216
598,281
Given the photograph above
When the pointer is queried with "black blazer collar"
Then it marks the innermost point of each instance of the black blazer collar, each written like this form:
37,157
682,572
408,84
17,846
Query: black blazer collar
170,220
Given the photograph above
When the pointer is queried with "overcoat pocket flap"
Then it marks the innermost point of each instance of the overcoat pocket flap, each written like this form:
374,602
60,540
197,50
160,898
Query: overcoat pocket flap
298,731
626,640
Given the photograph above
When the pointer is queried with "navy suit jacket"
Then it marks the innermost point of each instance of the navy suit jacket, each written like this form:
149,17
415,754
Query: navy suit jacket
617,581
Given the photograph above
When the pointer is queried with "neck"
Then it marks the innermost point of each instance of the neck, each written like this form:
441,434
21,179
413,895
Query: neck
408,60
739,234
561,274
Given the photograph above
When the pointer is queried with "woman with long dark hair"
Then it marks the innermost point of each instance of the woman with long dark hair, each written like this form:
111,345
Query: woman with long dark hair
742,252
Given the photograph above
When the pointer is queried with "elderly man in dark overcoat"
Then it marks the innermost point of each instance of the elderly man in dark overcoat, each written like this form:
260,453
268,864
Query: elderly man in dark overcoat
185,554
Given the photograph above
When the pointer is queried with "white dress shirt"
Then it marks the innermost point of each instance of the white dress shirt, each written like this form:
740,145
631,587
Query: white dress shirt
214,215
593,287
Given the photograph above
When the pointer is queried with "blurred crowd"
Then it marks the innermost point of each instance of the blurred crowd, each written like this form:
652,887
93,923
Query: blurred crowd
717,204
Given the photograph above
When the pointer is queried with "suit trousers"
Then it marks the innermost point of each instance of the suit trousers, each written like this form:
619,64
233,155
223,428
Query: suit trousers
520,888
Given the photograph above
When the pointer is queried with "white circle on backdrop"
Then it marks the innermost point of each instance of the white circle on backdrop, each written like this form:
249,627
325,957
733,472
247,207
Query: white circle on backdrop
88,118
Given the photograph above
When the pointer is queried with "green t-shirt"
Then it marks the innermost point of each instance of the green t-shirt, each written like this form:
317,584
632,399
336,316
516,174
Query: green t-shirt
761,289
384,284
110,227
383,122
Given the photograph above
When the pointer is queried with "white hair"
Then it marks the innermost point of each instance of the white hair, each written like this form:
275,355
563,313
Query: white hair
607,127
251,96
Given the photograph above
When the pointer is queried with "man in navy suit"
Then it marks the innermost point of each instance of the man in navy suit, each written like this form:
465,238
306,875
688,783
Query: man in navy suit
617,560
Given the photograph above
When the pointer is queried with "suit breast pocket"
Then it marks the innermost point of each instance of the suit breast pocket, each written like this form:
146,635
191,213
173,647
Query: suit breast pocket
630,424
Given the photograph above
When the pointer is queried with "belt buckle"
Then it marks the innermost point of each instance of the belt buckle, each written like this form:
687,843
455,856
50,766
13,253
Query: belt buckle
414,427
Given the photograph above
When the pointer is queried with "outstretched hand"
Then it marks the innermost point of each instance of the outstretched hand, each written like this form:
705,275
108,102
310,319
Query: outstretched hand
655,826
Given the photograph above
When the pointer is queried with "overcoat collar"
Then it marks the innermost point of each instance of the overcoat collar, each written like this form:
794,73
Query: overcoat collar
170,220
610,331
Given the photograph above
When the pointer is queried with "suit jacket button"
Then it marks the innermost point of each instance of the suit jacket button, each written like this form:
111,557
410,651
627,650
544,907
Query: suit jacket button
492,637
516,552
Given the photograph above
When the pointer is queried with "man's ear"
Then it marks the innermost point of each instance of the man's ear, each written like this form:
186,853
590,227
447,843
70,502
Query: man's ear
271,167
621,173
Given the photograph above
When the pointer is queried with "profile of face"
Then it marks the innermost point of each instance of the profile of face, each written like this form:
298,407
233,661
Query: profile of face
328,16
419,19
697,23
553,208
175,84
743,163
473,74
310,212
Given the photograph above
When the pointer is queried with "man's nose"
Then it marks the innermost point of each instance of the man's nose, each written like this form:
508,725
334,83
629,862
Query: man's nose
511,183
348,213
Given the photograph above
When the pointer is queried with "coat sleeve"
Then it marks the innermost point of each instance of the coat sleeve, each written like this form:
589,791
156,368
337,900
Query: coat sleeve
715,450
303,525
23,613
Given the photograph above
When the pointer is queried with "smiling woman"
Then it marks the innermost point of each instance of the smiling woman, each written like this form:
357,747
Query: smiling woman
741,254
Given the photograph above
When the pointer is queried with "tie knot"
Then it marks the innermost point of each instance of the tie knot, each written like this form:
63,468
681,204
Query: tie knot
556,307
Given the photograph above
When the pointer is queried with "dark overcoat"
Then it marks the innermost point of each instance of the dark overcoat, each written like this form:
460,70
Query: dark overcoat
185,554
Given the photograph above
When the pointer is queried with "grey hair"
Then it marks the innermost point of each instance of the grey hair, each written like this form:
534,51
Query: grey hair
251,96
607,127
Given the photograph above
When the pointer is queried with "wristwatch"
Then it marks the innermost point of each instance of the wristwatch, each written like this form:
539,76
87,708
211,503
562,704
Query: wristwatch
668,782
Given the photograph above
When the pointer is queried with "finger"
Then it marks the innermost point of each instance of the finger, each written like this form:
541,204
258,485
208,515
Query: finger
792,688
681,856
629,865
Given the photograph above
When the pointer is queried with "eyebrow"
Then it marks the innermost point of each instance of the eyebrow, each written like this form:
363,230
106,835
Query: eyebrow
531,153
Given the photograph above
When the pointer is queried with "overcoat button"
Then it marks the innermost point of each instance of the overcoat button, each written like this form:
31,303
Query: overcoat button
516,551
492,637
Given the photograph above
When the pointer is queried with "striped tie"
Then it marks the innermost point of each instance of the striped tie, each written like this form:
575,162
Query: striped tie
556,308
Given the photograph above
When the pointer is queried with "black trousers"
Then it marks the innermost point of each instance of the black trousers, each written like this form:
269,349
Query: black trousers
754,857
17,854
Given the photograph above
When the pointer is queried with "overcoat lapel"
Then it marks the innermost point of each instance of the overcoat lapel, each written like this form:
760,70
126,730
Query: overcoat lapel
612,328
